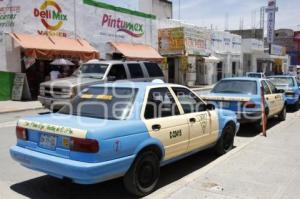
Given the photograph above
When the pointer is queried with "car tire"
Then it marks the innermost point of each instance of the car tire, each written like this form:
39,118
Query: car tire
143,175
225,143
296,106
282,114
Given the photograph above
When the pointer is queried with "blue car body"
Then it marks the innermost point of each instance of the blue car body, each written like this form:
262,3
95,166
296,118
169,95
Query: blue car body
292,91
247,106
120,141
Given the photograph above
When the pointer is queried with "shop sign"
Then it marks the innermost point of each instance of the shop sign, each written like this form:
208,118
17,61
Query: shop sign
8,16
271,10
197,41
171,41
278,50
52,17
131,28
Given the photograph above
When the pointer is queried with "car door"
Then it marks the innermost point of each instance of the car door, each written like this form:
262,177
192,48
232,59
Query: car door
279,97
203,124
166,122
270,99
136,72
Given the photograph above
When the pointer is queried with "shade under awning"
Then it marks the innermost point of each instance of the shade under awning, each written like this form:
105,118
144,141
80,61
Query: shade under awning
212,59
137,51
40,46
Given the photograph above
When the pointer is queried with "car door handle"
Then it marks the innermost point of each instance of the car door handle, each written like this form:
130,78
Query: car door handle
156,127
192,120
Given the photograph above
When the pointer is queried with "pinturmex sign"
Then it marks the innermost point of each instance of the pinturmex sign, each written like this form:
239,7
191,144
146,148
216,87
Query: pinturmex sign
130,28
52,17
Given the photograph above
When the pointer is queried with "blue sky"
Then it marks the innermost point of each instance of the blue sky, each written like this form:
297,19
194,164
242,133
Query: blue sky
207,12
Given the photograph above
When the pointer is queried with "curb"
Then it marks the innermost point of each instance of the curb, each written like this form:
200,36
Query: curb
21,110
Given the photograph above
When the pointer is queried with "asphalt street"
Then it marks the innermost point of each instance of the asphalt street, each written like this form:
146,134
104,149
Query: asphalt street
18,182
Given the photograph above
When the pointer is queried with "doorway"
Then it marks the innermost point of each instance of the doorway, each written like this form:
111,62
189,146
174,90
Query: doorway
220,71
171,71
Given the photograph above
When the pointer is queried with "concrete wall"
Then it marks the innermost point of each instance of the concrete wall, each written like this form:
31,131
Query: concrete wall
163,9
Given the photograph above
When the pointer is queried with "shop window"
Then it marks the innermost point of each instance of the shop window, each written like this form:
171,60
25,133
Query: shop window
135,71
117,72
154,70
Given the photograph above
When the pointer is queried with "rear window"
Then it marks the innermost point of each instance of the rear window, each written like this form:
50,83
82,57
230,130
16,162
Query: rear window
282,81
154,70
236,86
102,103
135,71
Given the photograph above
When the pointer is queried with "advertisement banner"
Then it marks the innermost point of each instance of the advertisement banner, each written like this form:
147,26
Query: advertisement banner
271,10
171,41
197,42
278,50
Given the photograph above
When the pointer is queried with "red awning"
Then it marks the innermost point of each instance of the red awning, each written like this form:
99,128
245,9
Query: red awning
40,46
137,51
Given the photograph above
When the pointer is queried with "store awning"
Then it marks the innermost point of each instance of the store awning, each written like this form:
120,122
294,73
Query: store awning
268,57
137,51
212,59
50,47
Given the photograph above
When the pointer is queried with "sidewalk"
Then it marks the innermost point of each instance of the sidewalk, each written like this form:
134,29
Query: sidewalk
262,168
16,106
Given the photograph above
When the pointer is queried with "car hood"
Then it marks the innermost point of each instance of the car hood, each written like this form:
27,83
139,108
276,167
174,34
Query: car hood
226,97
71,82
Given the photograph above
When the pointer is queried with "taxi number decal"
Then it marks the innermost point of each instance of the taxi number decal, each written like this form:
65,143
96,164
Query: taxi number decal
175,134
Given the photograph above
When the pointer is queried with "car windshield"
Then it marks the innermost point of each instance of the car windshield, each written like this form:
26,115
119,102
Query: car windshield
91,70
103,103
236,86
277,81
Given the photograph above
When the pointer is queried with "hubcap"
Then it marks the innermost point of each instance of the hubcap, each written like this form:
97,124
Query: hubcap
146,175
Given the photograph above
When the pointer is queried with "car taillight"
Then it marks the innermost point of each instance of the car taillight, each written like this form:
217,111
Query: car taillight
84,145
21,133
249,104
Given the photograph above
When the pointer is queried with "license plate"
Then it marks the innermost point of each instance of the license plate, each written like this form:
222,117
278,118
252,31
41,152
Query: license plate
224,104
48,141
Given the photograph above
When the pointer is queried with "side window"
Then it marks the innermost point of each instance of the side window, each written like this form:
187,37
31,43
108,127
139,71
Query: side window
160,104
153,70
273,88
117,72
266,88
135,71
189,101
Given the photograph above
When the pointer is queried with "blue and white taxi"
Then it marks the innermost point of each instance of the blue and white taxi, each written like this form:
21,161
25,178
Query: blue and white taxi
290,85
122,129
243,96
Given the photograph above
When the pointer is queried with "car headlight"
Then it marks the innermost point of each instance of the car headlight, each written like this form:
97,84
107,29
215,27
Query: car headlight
65,90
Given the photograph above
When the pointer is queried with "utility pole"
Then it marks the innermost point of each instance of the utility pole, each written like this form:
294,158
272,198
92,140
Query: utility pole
179,9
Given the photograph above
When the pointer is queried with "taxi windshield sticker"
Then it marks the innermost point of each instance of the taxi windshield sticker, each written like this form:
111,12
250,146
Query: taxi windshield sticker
104,97
55,129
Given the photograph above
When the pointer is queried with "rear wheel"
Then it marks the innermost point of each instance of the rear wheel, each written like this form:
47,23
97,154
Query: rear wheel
296,106
282,114
142,177
225,143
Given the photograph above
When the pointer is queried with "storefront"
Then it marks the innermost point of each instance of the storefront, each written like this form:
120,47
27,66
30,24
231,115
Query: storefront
55,19
185,49
253,54
227,48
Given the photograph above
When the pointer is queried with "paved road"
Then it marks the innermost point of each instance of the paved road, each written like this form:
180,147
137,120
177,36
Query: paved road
18,182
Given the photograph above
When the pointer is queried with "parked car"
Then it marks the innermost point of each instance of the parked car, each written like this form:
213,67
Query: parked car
291,87
55,94
256,75
243,96
123,129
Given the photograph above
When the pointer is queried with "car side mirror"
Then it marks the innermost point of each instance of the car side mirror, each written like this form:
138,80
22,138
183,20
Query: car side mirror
210,107
111,78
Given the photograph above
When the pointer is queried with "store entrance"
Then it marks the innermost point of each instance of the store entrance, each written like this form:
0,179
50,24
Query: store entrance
171,73
220,71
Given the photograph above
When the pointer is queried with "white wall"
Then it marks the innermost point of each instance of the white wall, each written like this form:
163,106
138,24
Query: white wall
161,8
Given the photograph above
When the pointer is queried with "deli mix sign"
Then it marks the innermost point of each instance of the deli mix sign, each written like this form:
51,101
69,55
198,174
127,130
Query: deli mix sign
52,16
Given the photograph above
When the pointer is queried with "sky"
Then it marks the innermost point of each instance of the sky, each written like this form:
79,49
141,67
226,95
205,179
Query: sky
212,13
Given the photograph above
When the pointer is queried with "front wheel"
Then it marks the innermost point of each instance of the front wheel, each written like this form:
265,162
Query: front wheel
225,143
142,177
282,114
